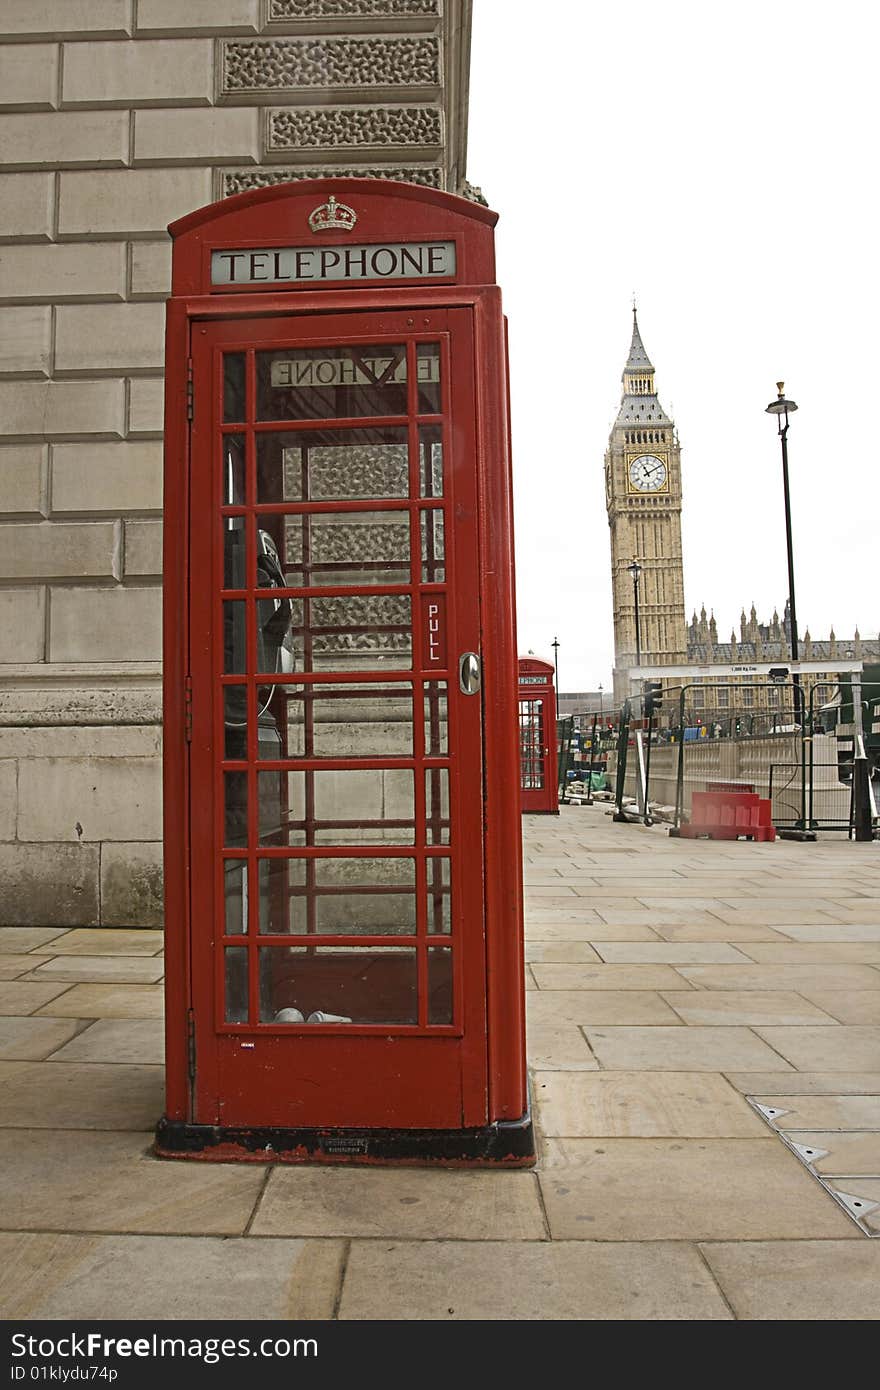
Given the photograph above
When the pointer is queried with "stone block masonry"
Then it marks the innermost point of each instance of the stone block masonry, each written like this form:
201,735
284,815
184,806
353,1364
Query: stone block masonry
120,116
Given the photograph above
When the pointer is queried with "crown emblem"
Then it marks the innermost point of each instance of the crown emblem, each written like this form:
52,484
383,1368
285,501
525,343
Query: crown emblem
331,215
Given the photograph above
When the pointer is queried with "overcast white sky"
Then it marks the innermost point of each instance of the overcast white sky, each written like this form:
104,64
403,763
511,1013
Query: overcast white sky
720,161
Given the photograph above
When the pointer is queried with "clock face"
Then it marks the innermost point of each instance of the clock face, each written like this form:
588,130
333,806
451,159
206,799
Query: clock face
647,473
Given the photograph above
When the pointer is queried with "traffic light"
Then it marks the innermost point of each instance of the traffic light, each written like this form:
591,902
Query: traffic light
653,698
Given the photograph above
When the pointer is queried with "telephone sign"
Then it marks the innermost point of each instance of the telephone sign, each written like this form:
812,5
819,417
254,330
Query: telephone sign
343,887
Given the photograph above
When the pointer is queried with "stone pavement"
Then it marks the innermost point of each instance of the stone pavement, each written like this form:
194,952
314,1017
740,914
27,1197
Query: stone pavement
704,1036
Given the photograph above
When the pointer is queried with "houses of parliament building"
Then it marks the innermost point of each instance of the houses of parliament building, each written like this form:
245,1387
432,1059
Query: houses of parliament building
643,495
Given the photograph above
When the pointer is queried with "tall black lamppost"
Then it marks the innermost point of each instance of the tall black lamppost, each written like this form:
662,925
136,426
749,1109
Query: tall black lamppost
601,701
780,408
555,645
635,570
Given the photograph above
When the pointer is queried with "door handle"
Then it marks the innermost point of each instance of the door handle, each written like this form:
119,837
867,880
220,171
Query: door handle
469,673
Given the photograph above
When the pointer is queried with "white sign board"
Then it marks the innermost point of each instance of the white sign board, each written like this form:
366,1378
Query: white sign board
297,265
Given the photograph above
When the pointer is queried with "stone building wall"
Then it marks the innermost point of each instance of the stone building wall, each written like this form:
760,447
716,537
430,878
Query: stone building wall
119,116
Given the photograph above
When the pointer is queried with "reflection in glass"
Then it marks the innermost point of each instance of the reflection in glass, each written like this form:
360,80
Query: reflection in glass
323,383
437,805
439,896
320,549
235,892
338,985
342,897
329,807
235,723
332,465
430,461
233,387
344,721
234,637
235,800
428,377
439,984
233,473
234,566
235,959
436,719
433,550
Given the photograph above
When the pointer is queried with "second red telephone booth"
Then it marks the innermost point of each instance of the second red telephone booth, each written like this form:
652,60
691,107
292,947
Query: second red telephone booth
538,778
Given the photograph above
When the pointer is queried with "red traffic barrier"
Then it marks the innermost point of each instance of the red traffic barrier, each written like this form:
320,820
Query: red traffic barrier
729,815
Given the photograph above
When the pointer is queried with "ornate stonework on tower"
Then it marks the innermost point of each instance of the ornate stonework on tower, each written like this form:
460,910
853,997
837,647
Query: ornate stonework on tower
643,498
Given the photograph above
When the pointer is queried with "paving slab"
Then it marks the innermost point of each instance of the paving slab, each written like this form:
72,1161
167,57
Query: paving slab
558,1047
406,1203
92,1277
110,969
564,1280
847,1006
636,1104
744,1006
578,931
717,931
590,1006
843,1048
604,976
804,1280
852,932
30,1039
807,1083
813,952
574,952
20,940
117,1040
85,1181
830,1112
844,1153
71,1095
671,953
26,996
761,916
685,1048
109,941
110,1001
803,979
684,1189
12,967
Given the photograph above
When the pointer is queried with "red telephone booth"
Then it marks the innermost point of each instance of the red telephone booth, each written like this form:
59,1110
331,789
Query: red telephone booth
538,780
342,841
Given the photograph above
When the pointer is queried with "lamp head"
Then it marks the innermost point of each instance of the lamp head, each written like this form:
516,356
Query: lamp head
781,407
635,570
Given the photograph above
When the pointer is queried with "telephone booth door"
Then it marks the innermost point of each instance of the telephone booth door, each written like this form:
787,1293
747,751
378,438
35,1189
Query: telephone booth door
342,871
538,779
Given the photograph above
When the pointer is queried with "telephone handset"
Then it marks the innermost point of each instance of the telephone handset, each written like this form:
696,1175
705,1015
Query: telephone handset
273,619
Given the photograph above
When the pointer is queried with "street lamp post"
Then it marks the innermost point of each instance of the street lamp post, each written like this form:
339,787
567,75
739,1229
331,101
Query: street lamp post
601,699
635,570
555,645
780,408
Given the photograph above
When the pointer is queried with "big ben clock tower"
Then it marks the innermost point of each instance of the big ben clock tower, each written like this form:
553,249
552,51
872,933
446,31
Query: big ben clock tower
643,498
